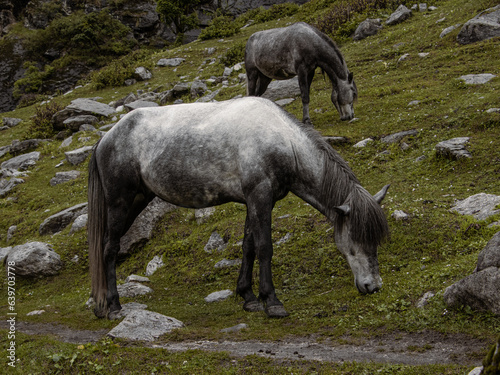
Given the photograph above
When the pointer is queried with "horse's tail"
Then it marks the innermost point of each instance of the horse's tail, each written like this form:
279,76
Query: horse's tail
96,227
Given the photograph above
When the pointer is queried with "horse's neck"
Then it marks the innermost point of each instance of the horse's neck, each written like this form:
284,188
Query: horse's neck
333,64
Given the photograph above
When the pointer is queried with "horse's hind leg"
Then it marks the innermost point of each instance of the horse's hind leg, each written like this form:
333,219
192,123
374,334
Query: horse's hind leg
244,286
305,81
262,83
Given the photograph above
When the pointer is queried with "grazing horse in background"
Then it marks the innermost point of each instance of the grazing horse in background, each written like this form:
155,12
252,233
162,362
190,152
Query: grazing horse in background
297,50
246,150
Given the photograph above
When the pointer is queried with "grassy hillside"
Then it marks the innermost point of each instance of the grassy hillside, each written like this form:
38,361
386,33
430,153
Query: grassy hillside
429,252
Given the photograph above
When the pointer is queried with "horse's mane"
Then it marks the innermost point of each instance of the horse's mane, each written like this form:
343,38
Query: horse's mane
340,186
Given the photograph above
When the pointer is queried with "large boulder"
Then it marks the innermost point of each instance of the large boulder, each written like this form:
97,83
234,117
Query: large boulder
282,89
34,259
481,206
21,162
401,14
485,25
480,289
144,325
368,27
61,220
79,107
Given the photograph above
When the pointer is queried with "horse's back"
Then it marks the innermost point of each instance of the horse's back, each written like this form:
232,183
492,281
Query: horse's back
202,154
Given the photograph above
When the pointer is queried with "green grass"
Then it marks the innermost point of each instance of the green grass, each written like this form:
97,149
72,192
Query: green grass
431,251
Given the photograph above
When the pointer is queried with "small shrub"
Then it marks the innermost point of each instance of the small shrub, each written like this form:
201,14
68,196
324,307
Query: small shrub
33,79
42,126
220,27
276,11
234,55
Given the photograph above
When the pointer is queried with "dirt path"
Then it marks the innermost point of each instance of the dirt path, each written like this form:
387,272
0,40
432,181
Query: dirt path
400,348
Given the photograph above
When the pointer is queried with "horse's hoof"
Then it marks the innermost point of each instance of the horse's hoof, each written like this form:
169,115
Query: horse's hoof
276,311
253,306
100,313
115,314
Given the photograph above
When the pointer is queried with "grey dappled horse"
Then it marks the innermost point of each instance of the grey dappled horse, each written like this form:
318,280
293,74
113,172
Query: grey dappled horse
245,150
297,50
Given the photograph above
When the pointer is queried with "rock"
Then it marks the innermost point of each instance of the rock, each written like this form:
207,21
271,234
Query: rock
179,90
141,230
21,162
476,371
144,325
79,224
396,137
78,107
399,215
235,328
485,25
363,143
176,61
127,308
142,74
218,296
61,220
336,140
422,7
198,88
227,72
401,14
137,278
368,27
10,122
226,263
202,214
62,177
133,289
287,237
34,259
453,148
21,147
478,291
74,123
493,110
215,243
282,89
35,312
477,79
78,156
209,97
283,102
10,232
4,251
490,255
425,299
481,206
449,30
6,185
154,265
140,104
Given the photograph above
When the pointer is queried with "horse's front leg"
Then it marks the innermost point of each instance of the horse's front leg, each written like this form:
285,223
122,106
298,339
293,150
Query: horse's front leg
305,80
259,216
244,286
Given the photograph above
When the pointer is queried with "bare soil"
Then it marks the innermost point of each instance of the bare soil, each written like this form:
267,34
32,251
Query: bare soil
396,348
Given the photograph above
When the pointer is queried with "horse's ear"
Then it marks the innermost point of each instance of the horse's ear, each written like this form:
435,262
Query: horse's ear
350,77
381,194
342,210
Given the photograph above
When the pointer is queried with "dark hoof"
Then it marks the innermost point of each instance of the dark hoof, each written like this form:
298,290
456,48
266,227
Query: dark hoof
115,314
276,311
253,306
100,312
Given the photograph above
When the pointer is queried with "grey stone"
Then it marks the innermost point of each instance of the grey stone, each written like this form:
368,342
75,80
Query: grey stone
202,214
78,107
21,147
336,140
283,102
153,265
490,255
6,185
477,79
396,137
142,74
62,177
485,25
10,232
128,308
137,278
141,230
21,162
198,88
133,289
79,224
61,220
363,143
215,243
401,14
226,263
144,325
173,62
282,89
235,328
209,97
11,122
368,27
400,215
34,259
4,251
78,156
481,206
453,148
449,29
478,291
425,299
218,296
74,123
287,237
140,104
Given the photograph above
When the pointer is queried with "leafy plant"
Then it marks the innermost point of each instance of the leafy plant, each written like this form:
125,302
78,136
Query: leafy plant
234,55
41,125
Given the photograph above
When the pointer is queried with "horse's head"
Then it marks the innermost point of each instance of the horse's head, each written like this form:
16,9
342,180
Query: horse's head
360,254
344,94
